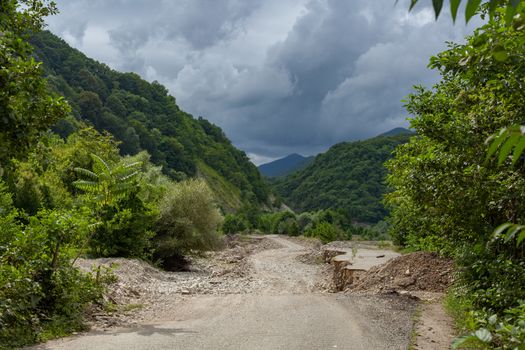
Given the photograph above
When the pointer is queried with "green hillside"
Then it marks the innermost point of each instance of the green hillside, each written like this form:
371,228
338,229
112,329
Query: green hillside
349,177
143,116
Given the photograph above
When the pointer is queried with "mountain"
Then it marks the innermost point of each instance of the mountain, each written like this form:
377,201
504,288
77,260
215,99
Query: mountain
349,177
284,166
397,131
143,116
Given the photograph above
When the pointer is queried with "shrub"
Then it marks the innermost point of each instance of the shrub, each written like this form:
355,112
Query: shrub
325,232
188,222
289,227
41,292
234,224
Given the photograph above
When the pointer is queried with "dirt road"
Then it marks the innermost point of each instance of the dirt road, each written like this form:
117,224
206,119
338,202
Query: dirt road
289,309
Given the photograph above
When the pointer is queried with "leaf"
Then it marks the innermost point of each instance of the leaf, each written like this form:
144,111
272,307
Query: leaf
438,5
99,165
512,232
500,55
518,150
493,319
509,14
454,5
520,238
492,6
483,334
471,9
86,173
501,228
497,140
462,340
507,148
412,4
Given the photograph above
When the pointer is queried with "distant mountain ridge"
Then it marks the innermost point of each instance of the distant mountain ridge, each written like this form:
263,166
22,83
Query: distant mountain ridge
349,177
285,166
397,131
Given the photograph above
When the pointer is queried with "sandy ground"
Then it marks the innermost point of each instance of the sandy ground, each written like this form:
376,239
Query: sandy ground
269,299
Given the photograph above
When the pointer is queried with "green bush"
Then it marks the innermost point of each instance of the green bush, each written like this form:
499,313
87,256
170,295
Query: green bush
41,293
289,227
188,222
234,224
325,232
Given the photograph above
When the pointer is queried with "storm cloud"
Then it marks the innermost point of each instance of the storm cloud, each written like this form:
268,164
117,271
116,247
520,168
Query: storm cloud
279,76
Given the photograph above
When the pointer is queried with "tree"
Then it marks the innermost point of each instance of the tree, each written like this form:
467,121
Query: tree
449,196
26,107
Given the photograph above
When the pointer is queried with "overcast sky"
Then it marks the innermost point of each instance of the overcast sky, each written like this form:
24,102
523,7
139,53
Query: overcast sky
279,76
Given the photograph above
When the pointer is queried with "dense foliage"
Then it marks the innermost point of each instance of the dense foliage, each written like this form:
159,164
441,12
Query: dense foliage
26,108
349,177
144,117
188,222
447,196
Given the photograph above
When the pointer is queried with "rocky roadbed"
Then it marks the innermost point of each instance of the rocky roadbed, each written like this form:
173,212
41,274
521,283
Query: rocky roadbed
267,266
141,290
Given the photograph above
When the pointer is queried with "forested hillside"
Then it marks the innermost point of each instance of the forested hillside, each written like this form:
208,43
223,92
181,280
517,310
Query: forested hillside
143,116
349,177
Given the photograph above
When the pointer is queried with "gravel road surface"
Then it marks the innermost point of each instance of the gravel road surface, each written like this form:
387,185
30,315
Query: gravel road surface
289,310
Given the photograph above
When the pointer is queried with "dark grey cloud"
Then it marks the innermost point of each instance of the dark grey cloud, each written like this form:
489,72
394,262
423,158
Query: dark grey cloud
279,76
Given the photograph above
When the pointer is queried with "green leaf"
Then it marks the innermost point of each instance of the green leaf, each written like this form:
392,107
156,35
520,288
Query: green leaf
412,4
512,232
509,14
472,8
496,142
518,150
520,238
483,334
86,173
438,5
501,228
493,5
462,341
454,5
500,55
507,148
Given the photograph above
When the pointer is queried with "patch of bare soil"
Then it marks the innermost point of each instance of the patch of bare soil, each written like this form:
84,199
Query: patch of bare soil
420,271
141,290
433,328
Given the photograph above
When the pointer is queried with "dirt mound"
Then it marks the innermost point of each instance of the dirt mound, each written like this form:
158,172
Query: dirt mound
419,271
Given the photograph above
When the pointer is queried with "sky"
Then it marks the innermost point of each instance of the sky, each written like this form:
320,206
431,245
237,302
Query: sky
278,76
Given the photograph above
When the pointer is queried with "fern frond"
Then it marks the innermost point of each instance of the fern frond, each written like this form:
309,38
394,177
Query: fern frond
99,165
85,185
86,173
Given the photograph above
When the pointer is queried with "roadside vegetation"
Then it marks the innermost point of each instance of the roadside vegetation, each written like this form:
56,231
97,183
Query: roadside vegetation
458,181
69,189
66,197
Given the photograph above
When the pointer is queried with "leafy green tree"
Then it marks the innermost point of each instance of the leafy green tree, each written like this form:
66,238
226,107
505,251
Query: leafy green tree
124,218
447,195
26,107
